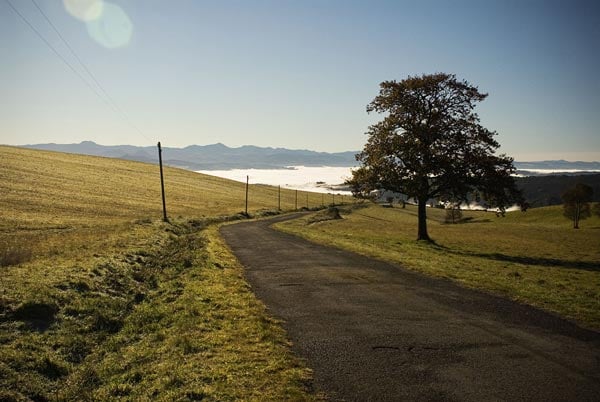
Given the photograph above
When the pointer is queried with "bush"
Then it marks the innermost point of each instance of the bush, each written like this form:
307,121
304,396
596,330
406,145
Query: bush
330,213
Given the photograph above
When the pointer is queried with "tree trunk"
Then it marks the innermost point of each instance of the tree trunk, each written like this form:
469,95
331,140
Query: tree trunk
423,235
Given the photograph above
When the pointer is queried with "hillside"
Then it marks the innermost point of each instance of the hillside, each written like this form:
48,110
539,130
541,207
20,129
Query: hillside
43,188
101,300
541,191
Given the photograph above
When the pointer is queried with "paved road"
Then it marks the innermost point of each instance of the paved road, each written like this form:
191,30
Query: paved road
372,331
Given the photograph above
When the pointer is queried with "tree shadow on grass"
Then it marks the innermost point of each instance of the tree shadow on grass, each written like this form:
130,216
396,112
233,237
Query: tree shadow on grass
464,221
539,261
470,219
547,262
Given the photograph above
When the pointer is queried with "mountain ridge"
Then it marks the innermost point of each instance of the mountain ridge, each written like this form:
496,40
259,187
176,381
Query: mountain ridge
219,156
209,157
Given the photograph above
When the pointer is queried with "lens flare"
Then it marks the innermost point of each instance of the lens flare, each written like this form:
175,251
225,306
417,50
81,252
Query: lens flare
111,29
85,10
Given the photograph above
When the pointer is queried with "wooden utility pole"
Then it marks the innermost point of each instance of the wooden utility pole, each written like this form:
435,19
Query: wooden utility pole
246,210
279,198
162,184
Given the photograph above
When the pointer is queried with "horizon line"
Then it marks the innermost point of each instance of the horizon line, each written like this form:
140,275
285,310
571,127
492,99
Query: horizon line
562,159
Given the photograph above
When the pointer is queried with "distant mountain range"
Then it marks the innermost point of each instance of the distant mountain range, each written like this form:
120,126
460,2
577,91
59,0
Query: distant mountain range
222,157
210,157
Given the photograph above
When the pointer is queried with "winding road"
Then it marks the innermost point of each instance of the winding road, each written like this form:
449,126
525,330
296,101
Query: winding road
373,331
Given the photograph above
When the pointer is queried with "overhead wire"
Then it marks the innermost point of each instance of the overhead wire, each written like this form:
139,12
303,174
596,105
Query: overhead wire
89,73
56,51
107,99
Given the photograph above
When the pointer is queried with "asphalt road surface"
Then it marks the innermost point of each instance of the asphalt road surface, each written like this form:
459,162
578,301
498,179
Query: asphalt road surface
372,331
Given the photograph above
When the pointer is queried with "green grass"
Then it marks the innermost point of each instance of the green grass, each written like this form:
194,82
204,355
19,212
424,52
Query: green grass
101,300
534,257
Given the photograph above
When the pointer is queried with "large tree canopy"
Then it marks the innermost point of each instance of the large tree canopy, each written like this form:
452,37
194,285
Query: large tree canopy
431,145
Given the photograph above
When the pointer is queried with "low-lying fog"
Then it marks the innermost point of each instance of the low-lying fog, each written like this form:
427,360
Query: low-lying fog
322,179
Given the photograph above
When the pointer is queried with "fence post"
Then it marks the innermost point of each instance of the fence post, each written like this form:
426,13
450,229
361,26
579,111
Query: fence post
162,184
246,210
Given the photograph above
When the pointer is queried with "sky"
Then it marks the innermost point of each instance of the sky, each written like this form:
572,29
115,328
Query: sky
293,74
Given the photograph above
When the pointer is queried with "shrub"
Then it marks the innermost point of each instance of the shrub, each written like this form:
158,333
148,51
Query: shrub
330,213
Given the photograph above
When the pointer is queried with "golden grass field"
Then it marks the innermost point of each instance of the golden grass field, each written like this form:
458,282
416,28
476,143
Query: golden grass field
101,300
535,257
43,188
52,201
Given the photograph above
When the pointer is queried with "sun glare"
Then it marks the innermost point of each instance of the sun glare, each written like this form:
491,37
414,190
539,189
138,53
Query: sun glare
113,28
85,10
106,23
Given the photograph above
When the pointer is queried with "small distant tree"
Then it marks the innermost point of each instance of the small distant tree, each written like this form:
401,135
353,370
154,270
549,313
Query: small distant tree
453,213
577,203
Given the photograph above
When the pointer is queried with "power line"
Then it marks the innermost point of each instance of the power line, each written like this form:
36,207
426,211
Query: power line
90,74
55,51
108,100
68,46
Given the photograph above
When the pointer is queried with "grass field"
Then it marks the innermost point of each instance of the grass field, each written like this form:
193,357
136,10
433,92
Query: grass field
533,257
101,300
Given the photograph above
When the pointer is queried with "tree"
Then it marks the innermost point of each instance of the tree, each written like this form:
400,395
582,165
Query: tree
430,144
577,203
453,213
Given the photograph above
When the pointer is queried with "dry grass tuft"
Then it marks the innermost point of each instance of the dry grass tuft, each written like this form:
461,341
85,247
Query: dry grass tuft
14,256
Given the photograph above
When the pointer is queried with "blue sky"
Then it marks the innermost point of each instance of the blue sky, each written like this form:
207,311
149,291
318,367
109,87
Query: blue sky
298,74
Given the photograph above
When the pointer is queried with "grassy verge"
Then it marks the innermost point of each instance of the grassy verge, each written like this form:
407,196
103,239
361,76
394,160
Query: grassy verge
533,257
100,300
166,318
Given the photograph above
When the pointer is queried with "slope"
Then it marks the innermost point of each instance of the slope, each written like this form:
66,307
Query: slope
100,299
